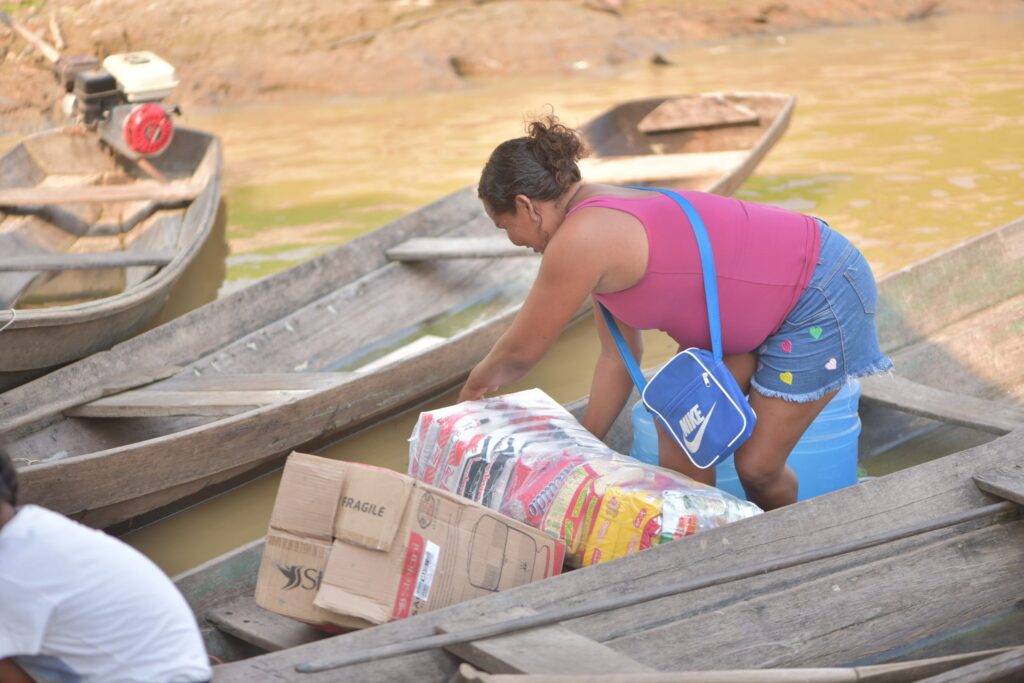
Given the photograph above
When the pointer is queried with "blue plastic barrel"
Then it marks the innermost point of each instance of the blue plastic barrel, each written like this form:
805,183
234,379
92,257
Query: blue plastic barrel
825,458
645,436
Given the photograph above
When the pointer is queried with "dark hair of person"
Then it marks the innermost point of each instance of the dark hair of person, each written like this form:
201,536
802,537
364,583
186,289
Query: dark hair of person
541,165
8,479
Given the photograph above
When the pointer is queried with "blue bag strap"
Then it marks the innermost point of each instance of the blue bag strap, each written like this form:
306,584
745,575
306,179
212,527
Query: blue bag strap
627,353
707,264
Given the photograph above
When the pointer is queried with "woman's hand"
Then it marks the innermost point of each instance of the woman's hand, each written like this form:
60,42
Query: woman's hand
473,393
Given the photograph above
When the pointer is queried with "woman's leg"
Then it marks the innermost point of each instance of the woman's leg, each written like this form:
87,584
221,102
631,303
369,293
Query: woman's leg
671,455
761,461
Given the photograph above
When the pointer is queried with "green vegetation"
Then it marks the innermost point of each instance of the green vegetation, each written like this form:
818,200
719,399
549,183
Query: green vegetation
19,7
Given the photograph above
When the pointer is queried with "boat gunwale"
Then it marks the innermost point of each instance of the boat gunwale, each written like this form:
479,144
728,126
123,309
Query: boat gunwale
211,165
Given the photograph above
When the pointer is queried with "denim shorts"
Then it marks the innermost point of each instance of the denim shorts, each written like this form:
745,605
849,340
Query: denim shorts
829,337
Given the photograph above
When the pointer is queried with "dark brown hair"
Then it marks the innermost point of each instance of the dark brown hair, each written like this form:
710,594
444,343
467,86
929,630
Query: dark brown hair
8,479
541,165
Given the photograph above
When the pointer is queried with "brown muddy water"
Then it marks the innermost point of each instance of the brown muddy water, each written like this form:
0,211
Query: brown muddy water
908,138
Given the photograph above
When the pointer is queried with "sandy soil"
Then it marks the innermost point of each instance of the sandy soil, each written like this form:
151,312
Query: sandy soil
241,51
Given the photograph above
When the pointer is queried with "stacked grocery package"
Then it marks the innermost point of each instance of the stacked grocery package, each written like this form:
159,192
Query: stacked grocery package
524,455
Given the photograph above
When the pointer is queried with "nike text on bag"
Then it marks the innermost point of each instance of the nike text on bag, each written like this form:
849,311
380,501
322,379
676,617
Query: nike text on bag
694,396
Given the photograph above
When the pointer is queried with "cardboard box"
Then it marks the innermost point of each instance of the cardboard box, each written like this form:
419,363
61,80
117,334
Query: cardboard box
400,547
299,541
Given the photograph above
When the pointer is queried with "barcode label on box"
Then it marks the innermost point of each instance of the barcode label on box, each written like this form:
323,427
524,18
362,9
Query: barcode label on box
427,569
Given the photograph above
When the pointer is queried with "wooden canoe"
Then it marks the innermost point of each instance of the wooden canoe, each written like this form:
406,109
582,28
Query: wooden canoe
872,604
91,244
304,355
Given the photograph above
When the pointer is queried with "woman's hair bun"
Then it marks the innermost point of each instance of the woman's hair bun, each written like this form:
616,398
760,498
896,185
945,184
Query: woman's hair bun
557,148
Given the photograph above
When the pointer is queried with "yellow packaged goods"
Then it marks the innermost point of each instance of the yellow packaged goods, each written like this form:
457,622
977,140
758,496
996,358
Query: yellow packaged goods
626,521
353,545
524,455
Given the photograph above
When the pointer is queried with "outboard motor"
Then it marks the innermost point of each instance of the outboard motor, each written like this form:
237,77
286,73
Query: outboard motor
122,102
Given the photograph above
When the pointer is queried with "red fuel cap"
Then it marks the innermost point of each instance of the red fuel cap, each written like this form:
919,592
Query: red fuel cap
148,129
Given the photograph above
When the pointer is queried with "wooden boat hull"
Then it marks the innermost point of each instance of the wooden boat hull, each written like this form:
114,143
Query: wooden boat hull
41,338
326,316
868,605
865,606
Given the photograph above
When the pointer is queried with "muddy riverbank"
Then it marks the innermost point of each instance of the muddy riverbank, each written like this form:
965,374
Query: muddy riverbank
230,52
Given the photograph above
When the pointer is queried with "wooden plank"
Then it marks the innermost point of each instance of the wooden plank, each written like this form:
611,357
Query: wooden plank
1008,666
97,194
899,393
897,672
688,113
633,169
208,395
1005,483
466,674
551,650
85,261
428,248
244,619
169,403
262,381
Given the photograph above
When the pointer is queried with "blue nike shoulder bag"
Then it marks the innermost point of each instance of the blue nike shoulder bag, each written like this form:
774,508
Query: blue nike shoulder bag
694,396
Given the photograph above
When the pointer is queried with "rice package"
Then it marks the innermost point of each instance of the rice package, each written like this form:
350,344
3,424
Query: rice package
526,456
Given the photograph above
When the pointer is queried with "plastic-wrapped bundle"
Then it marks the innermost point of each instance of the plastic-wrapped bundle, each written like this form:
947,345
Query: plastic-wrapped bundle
524,455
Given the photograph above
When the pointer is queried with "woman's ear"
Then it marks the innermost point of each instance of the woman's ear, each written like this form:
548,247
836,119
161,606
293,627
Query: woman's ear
526,204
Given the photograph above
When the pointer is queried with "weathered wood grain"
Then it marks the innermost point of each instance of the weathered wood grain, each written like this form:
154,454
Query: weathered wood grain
1008,666
85,261
245,620
148,403
893,391
827,614
45,337
899,672
425,248
98,194
551,649
208,395
1003,482
704,111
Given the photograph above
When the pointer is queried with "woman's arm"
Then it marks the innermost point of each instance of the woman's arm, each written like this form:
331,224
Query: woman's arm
611,386
569,271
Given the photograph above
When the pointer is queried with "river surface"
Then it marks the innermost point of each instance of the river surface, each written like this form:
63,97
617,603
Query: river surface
907,137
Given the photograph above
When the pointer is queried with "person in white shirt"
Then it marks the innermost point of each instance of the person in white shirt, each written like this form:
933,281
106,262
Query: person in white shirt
77,605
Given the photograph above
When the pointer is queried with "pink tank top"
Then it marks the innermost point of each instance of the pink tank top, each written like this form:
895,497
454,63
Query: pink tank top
764,258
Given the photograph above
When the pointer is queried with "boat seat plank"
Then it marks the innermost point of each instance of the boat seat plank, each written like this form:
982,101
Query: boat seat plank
547,650
245,620
632,169
899,393
212,396
98,194
425,248
262,381
1005,483
688,113
84,261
